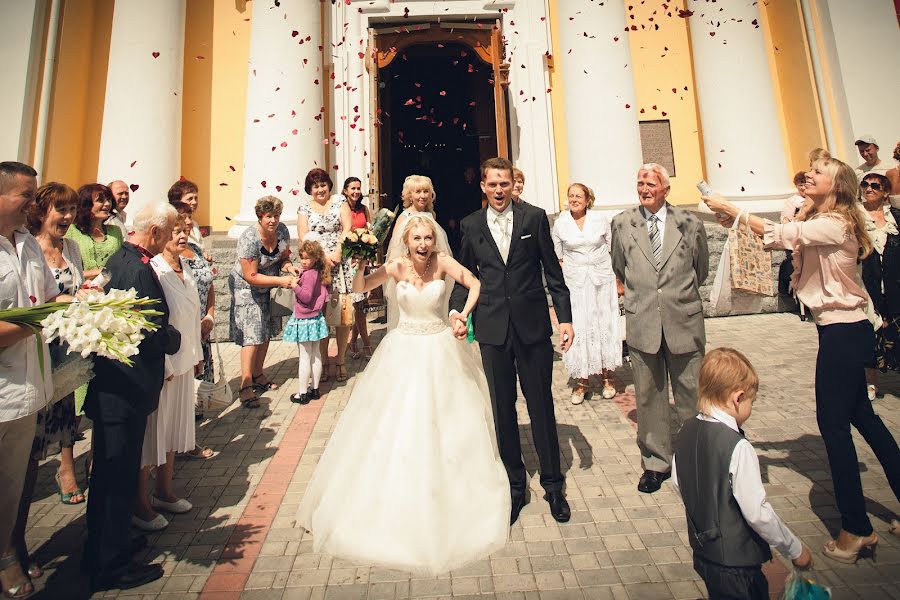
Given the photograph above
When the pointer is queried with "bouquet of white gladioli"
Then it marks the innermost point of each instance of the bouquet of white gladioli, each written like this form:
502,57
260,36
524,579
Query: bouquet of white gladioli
107,324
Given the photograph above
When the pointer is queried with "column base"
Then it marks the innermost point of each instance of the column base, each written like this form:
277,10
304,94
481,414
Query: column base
242,221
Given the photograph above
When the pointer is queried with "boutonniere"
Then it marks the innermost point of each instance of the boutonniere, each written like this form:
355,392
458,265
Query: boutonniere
145,260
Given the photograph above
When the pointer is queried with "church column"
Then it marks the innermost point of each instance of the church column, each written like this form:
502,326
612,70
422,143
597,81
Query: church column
20,46
604,142
284,136
141,135
742,141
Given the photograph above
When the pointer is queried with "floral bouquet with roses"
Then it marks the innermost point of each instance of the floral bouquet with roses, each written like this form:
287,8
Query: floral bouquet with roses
360,244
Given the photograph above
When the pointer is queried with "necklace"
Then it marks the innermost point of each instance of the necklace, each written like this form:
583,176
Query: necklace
424,271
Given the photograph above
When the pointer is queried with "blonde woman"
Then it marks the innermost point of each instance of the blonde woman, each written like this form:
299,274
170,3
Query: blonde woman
827,241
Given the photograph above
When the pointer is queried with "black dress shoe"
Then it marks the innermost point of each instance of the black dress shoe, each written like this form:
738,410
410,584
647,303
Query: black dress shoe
518,503
313,393
651,481
132,576
300,398
559,506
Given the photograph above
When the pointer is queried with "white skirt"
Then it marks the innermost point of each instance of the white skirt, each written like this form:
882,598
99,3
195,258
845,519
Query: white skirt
595,319
170,428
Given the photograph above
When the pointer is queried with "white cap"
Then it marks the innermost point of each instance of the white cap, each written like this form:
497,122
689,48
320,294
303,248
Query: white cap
865,139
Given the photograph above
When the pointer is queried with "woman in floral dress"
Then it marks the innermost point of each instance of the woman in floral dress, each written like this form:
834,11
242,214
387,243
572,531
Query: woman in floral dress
263,262
330,217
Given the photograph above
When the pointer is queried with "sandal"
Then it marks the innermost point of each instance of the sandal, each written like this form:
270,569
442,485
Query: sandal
895,527
251,401
199,452
263,386
326,373
67,497
367,351
21,590
341,372
862,546
354,352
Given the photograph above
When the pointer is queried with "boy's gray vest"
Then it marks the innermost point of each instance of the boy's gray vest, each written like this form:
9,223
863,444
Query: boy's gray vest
717,530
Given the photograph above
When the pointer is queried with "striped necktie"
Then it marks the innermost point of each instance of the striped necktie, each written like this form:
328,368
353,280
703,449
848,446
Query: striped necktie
655,242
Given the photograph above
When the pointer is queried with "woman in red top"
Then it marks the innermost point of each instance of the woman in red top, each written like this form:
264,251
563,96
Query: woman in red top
359,219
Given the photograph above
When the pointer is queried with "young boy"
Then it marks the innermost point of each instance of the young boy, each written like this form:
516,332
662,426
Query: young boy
730,523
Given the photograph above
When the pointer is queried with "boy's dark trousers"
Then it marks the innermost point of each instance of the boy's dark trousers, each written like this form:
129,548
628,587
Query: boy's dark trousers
732,583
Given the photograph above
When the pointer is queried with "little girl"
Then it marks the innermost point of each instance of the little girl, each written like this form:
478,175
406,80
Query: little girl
308,326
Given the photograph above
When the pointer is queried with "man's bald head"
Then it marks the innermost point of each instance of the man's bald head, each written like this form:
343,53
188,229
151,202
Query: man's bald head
121,194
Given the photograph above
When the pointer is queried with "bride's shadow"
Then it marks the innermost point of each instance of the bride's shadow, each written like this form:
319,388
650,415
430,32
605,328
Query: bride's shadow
575,449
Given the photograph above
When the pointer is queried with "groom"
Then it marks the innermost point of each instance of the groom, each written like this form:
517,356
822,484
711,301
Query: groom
508,246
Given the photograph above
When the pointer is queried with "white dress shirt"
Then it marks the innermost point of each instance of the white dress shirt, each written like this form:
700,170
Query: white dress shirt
25,280
661,226
500,231
747,489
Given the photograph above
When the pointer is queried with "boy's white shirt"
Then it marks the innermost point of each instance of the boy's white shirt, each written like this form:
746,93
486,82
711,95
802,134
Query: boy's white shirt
747,489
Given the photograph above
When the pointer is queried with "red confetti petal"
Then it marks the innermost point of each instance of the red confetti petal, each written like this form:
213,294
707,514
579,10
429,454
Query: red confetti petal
133,163
33,299
263,183
145,260
155,54
295,33
277,188
231,167
134,187
284,144
627,106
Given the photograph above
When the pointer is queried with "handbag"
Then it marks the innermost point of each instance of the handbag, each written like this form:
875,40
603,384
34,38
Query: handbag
750,263
215,394
339,311
281,302
724,298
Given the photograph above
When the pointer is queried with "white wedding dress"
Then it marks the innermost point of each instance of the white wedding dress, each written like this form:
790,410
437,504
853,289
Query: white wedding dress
411,478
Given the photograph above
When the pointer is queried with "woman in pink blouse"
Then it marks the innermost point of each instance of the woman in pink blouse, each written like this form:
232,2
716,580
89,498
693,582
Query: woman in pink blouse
828,238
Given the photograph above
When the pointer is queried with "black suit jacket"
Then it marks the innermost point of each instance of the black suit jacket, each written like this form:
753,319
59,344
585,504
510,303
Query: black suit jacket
512,292
117,390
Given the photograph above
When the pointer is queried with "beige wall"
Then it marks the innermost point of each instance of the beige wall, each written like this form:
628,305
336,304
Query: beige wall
657,71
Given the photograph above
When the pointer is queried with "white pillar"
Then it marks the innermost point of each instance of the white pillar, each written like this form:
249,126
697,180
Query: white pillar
742,140
21,34
141,135
283,139
604,140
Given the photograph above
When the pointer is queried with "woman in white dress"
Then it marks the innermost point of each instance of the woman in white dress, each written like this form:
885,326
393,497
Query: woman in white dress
170,428
581,239
411,478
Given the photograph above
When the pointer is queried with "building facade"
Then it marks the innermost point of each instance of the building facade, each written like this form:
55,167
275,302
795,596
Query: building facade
244,97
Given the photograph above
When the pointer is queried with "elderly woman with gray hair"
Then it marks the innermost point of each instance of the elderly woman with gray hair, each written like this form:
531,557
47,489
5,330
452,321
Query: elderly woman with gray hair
263,262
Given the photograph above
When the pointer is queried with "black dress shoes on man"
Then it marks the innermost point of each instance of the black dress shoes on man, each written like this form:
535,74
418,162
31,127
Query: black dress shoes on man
559,506
131,576
651,481
518,503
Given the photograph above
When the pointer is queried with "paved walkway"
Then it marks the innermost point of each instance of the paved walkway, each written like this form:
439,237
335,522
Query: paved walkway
241,540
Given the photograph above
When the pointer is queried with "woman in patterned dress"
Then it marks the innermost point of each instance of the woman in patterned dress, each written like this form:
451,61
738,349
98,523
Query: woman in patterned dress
203,277
48,219
330,217
96,240
263,262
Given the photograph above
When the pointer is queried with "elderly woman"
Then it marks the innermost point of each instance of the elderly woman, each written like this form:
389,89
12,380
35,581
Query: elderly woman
881,269
203,277
263,262
518,185
170,428
96,240
330,217
827,244
48,218
359,219
186,192
581,238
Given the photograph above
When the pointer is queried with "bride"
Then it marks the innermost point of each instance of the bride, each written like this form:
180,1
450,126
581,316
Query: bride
411,478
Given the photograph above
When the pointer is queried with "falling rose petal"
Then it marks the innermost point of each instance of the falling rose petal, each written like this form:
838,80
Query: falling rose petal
712,34
674,90
642,111
293,132
277,188
33,299
654,107
232,167
663,113
361,55
684,14
409,102
133,163
295,33
295,192
293,113
155,54
627,106
443,92
223,184
263,183
335,167
284,144
134,187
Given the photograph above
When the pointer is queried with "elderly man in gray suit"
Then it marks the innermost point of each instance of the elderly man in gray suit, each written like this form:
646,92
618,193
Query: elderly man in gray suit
659,253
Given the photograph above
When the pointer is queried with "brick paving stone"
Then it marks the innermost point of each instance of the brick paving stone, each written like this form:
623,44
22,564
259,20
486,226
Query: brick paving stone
241,541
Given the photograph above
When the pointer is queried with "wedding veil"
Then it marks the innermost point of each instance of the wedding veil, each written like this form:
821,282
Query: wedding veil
397,249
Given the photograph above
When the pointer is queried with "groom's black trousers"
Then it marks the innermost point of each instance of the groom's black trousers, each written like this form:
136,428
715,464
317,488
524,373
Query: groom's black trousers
534,363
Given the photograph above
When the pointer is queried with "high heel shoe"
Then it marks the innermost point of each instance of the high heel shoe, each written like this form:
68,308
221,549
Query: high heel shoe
862,546
21,590
66,498
341,372
895,527
609,391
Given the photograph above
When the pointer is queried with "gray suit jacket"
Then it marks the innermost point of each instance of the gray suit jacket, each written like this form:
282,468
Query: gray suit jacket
665,302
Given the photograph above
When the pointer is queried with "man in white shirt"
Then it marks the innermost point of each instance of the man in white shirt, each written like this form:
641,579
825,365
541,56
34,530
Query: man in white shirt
868,150
121,195
25,385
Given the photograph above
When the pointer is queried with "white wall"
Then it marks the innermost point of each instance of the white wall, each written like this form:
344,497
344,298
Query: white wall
20,42
866,41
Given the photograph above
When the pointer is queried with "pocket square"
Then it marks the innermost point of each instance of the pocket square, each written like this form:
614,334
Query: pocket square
526,236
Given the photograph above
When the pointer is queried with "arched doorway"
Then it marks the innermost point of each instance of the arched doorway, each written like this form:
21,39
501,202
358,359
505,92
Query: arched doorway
439,97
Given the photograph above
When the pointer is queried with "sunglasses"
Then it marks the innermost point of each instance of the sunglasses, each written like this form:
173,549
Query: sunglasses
871,184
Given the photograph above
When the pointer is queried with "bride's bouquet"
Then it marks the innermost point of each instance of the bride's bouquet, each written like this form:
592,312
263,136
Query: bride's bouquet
110,324
359,243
